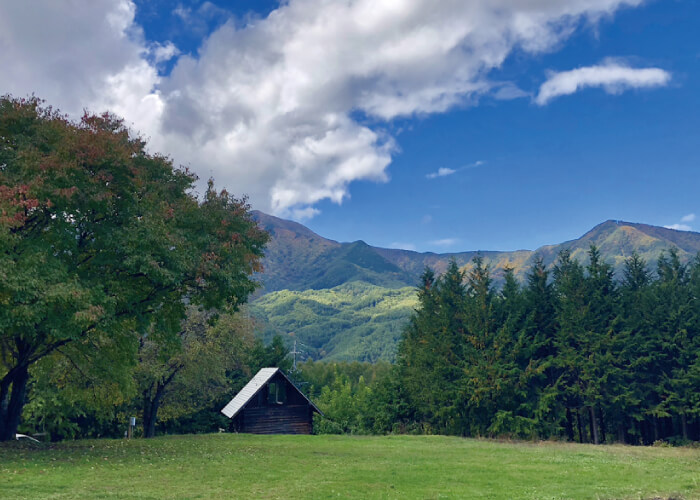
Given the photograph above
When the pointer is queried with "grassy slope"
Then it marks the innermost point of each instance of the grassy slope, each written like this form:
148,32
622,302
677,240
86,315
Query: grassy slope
246,466
354,321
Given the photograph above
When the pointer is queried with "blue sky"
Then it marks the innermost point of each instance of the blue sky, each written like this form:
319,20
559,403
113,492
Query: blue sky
542,121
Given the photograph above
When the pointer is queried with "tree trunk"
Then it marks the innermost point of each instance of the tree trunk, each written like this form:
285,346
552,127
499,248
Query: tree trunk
656,428
149,419
684,426
639,438
11,407
594,425
621,432
146,412
150,411
150,406
647,437
578,425
569,424
5,384
602,424
4,396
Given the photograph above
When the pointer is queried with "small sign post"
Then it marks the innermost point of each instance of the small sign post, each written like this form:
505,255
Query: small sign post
132,424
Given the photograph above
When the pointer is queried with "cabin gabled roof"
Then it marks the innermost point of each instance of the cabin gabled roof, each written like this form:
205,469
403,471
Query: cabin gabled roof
253,387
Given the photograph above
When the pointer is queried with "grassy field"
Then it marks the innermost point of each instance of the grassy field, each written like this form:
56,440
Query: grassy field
246,466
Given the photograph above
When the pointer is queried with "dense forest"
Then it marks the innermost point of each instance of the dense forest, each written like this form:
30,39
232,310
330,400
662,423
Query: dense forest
571,354
356,321
351,301
122,294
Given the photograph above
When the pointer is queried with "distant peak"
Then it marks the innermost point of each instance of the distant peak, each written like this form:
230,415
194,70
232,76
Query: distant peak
612,225
615,222
277,225
360,243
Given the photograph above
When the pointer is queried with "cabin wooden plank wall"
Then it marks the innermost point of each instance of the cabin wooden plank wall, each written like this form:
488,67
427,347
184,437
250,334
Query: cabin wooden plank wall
283,420
278,408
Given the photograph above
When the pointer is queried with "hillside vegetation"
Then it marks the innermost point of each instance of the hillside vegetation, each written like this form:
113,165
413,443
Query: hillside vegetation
340,299
248,466
296,258
354,321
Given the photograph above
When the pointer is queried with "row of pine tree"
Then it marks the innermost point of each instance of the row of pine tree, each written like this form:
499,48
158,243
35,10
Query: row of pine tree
573,353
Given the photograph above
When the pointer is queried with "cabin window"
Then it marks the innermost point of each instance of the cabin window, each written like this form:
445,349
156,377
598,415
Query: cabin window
276,394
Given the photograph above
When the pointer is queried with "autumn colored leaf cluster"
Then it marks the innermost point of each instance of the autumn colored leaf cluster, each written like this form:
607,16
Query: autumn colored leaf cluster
99,237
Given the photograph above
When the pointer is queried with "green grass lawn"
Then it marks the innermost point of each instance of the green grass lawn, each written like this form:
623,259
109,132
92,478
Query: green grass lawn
246,466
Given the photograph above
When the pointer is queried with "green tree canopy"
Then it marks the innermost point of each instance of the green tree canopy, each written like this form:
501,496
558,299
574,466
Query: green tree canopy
102,241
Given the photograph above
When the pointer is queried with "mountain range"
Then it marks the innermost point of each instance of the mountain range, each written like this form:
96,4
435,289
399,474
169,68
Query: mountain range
349,301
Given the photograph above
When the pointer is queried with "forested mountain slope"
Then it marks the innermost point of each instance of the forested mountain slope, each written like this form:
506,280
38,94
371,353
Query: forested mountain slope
352,322
299,259
349,301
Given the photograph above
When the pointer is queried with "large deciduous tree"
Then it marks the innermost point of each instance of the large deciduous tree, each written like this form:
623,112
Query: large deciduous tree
102,242
190,374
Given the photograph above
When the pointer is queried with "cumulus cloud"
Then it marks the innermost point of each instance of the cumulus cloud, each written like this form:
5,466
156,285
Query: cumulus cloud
305,213
74,55
679,227
683,224
614,77
200,20
164,52
269,107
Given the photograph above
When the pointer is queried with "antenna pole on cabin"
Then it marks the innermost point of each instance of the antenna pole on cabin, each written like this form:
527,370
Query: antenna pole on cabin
295,352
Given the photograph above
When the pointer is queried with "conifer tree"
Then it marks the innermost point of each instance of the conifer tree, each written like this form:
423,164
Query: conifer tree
448,349
538,349
514,395
598,341
634,330
568,393
414,359
676,342
481,364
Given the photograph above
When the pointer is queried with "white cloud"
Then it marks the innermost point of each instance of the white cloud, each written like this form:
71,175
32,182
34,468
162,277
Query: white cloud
614,77
679,227
445,242
426,219
441,172
267,108
164,52
509,91
444,172
403,246
75,54
198,20
682,226
305,213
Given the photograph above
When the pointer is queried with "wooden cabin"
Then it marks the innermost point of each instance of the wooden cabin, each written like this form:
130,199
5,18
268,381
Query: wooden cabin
271,404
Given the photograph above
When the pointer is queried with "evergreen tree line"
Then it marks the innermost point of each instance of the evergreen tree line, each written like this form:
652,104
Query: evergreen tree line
572,353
